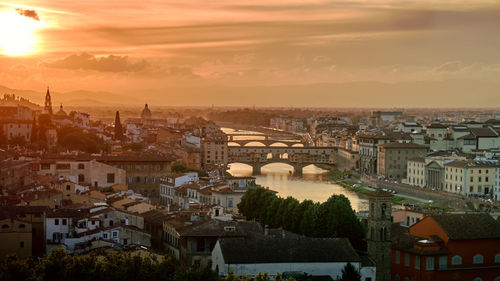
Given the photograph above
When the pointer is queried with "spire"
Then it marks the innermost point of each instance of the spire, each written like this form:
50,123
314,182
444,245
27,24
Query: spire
48,103
118,127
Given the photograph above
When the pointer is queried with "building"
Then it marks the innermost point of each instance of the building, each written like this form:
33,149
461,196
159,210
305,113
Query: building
393,157
170,182
415,174
379,232
407,217
82,170
447,247
214,153
143,170
312,256
368,151
15,235
473,178
15,128
35,217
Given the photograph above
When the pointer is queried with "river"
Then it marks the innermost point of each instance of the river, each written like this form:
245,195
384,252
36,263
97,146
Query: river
310,186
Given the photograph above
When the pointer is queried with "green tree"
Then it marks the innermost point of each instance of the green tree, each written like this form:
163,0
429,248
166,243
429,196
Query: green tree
350,273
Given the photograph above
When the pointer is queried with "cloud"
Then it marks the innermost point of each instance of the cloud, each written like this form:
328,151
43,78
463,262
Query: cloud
451,66
110,63
28,13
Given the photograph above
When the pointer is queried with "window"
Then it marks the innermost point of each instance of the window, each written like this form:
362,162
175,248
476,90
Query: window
442,262
115,234
64,222
398,257
68,187
456,260
407,259
429,263
397,278
105,235
56,221
63,166
478,259
417,262
497,258
21,244
22,226
111,178
81,166
230,202
5,226
81,178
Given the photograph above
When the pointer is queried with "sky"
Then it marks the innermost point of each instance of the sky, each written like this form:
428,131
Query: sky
385,53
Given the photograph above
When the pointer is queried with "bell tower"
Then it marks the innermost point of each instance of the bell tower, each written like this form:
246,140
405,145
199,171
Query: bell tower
379,232
48,103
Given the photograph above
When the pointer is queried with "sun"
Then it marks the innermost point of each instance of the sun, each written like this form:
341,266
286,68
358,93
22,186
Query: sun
18,34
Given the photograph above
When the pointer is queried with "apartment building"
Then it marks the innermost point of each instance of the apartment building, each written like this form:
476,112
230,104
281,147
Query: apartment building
393,157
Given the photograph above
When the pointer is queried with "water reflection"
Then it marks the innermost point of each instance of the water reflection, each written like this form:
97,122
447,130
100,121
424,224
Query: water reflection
276,176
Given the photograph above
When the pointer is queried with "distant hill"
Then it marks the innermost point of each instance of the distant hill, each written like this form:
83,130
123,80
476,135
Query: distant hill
459,93
73,98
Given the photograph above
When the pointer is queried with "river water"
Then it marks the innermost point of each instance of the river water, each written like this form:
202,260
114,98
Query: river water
310,186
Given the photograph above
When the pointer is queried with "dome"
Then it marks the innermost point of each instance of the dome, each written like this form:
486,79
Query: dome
61,112
146,113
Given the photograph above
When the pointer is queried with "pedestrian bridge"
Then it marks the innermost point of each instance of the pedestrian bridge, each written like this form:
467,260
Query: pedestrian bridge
298,157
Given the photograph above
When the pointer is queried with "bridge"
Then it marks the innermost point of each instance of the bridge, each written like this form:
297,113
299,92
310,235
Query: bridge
243,139
298,157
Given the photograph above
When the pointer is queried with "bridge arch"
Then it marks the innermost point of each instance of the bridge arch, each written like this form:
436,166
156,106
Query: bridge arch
243,169
254,143
298,145
232,143
279,144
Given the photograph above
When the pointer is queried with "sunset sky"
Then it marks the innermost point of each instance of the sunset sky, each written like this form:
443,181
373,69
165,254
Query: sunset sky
263,52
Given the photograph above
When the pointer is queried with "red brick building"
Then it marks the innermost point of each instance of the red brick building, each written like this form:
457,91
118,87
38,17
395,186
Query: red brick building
447,247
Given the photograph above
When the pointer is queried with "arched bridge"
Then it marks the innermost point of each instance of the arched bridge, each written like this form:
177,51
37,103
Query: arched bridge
266,139
298,157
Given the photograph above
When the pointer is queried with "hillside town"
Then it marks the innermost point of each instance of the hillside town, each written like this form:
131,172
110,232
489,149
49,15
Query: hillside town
161,184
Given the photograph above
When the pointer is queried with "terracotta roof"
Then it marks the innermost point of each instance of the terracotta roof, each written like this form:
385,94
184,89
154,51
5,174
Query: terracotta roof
287,250
66,213
136,157
403,145
155,217
468,226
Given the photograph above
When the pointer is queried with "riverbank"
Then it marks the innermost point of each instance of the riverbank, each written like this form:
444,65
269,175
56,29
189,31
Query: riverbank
350,182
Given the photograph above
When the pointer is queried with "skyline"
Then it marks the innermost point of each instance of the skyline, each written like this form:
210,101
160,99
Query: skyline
304,53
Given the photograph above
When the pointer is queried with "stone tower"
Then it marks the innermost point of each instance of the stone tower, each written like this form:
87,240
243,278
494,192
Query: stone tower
379,232
48,103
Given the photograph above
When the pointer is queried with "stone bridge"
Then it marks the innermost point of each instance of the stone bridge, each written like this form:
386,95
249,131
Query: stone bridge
298,157
266,139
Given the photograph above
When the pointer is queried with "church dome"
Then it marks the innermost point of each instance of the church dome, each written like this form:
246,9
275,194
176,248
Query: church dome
61,112
146,113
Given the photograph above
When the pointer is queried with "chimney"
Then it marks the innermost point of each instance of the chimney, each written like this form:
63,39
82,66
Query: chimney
266,230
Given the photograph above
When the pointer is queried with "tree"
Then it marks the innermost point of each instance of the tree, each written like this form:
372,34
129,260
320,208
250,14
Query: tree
34,131
350,273
179,168
17,140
